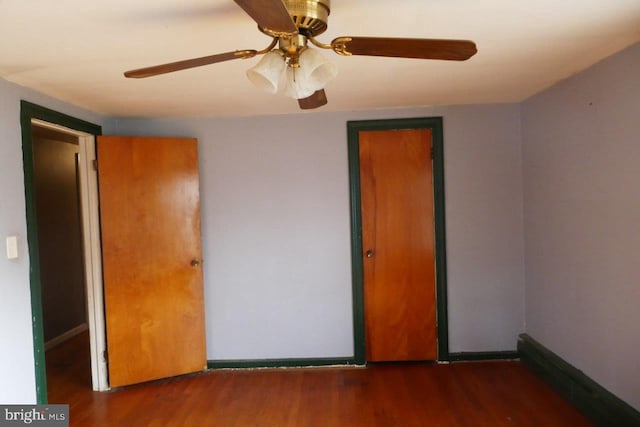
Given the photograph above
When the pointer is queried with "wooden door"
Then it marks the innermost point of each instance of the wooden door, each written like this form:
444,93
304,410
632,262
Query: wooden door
151,249
396,183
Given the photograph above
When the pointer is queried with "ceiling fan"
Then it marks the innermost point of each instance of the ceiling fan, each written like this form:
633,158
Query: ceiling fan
299,70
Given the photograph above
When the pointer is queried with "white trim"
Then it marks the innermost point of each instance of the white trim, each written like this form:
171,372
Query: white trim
57,128
92,251
93,261
65,336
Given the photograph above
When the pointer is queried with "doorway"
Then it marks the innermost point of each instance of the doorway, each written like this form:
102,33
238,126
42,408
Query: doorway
355,128
173,192
59,225
41,124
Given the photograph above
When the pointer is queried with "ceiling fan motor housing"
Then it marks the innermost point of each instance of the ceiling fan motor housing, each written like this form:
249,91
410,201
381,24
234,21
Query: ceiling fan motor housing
310,16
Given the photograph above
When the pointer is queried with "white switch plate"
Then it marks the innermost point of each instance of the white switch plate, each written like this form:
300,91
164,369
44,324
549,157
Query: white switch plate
12,247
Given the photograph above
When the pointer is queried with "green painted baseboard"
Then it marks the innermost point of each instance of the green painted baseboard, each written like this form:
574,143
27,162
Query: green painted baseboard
279,363
593,400
312,362
467,356
348,361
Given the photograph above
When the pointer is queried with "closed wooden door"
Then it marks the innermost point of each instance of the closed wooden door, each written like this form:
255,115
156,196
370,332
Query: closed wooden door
151,248
396,182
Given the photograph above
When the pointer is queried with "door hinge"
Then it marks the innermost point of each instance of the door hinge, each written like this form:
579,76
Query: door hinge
94,162
105,356
431,153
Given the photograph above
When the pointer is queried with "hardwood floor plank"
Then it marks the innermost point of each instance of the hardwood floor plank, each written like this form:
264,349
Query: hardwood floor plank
474,394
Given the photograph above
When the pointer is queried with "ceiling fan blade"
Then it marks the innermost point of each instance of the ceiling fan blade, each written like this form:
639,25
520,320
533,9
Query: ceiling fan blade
452,50
188,63
270,15
317,99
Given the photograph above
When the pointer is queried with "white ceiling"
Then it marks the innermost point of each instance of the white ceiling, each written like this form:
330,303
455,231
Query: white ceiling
77,50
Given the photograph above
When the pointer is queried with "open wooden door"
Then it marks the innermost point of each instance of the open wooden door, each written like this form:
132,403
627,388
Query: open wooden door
396,183
151,247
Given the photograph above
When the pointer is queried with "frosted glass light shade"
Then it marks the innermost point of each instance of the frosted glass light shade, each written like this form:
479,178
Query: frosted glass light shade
266,73
312,75
319,71
295,84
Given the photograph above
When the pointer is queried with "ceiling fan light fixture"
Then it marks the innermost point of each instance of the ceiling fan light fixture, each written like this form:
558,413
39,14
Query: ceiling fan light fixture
266,73
313,72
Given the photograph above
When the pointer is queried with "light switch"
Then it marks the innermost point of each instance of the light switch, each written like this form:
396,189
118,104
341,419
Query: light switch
12,247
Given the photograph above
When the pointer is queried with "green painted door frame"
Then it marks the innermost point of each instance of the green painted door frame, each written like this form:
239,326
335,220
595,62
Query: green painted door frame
353,129
28,112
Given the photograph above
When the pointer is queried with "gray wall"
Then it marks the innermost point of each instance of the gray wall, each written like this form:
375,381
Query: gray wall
581,148
275,215
17,381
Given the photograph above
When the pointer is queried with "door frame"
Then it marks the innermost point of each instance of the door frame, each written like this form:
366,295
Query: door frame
86,133
357,267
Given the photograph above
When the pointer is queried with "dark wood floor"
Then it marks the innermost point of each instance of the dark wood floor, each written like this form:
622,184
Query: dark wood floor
462,394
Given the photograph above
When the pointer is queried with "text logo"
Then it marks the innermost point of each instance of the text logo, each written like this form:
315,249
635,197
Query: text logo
34,415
